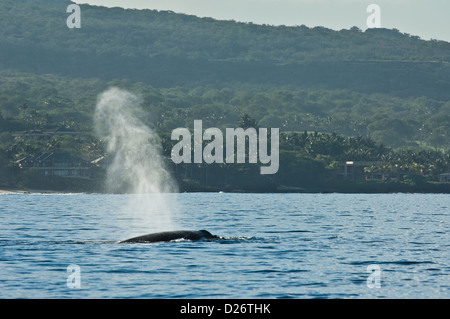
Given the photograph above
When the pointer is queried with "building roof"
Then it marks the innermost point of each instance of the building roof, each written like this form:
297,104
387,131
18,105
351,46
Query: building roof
30,161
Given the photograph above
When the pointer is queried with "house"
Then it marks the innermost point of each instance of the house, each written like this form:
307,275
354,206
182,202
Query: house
57,164
444,177
353,170
47,134
33,135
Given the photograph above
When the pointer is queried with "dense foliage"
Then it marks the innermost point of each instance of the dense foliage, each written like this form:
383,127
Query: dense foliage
377,95
39,101
166,49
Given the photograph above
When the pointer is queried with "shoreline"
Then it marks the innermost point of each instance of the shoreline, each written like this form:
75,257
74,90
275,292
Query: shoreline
362,191
30,191
8,191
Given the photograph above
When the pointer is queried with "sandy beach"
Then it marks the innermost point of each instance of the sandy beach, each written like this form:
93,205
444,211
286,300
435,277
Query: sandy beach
9,191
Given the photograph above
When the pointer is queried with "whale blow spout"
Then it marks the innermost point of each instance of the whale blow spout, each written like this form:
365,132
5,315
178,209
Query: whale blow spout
172,235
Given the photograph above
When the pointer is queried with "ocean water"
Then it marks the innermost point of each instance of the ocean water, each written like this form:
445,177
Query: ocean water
274,246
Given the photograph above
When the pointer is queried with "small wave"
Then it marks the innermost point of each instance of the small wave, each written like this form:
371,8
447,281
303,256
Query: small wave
53,242
399,262
54,194
220,240
288,231
408,262
236,240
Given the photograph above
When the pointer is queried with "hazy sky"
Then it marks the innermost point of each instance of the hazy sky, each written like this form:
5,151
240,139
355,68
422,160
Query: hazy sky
425,18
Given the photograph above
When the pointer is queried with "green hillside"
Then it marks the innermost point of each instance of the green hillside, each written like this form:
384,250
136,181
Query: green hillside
387,88
165,49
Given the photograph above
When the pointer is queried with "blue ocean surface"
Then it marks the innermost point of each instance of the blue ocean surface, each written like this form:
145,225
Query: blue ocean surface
274,246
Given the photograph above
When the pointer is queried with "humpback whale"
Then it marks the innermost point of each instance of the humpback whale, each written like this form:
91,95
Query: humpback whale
172,235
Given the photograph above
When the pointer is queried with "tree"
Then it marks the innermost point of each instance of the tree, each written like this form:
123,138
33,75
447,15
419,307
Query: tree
246,121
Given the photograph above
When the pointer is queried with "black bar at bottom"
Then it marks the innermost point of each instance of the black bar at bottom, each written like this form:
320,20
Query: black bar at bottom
220,308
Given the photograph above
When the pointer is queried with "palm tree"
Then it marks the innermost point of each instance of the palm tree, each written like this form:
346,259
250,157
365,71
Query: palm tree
246,121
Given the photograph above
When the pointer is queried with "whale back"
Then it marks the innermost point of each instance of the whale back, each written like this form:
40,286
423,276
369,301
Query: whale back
172,235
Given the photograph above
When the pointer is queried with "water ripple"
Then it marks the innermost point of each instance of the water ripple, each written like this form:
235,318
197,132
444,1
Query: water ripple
274,246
